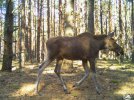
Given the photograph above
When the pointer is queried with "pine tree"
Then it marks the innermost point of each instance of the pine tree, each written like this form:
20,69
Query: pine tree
8,35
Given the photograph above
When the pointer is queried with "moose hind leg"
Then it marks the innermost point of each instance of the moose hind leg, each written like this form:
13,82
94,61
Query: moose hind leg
85,66
41,69
57,71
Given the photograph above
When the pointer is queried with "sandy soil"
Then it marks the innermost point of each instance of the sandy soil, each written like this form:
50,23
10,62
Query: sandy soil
116,81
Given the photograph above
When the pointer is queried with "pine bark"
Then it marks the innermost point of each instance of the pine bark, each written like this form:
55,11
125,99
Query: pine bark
110,16
29,33
60,17
101,21
68,24
38,32
48,18
132,30
120,28
22,34
91,16
8,35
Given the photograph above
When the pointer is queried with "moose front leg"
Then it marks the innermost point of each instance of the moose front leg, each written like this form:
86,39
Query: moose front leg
92,67
85,66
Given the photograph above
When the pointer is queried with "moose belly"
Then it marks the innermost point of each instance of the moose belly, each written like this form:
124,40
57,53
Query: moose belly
73,55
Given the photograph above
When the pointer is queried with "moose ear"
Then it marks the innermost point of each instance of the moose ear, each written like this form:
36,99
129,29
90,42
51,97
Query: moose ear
110,35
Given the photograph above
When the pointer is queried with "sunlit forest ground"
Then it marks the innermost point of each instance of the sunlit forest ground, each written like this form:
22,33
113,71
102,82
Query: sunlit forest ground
116,80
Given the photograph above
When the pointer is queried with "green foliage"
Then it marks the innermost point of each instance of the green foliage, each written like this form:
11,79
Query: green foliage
115,81
2,2
129,0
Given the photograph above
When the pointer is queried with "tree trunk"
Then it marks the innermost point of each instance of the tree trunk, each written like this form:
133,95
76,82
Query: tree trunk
126,44
132,30
60,17
69,18
120,20
22,34
68,26
101,21
8,35
0,47
106,27
29,33
54,18
35,32
35,50
91,16
43,43
96,17
110,15
48,18
38,32
0,39
120,28
19,39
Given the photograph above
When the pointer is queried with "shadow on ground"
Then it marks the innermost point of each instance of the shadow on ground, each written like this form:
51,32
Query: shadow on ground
116,84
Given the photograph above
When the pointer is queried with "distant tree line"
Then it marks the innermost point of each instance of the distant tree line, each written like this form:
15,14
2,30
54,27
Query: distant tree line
25,25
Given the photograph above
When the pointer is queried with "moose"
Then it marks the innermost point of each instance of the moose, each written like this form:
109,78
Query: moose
83,47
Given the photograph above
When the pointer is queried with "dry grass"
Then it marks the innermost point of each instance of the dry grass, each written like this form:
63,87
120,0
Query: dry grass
117,81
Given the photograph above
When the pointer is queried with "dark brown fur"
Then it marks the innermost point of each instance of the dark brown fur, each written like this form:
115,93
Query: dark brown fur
83,46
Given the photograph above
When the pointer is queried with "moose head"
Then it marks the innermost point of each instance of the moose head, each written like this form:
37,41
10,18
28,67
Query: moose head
111,45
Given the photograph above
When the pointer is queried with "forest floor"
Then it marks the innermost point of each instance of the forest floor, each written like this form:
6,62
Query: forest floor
116,80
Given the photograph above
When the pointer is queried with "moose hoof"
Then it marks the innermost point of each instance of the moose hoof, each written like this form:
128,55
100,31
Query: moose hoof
98,91
39,94
66,92
76,84
36,92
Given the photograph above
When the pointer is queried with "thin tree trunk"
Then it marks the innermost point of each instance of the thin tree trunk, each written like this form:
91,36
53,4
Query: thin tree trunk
22,34
54,18
101,21
41,32
120,19
19,40
35,25
120,28
0,39
110,16
126,35
132,30
15,43
60,16
75,17
26,32
35,31
96,17
29,33
91,16
39,29
48,19
106,26
43,43
38,32
8,35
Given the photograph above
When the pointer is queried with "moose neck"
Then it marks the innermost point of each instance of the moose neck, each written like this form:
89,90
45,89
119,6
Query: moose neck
100,41
101,44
